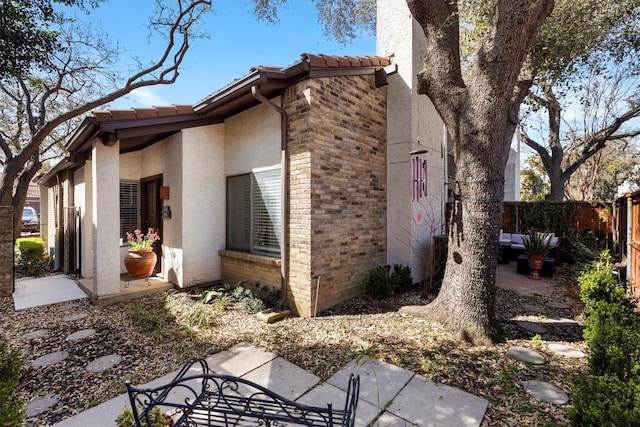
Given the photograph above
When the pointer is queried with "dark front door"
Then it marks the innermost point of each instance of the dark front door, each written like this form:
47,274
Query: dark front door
151,212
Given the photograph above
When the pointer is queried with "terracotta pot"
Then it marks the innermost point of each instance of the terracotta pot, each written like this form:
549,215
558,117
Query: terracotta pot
140,264
535,265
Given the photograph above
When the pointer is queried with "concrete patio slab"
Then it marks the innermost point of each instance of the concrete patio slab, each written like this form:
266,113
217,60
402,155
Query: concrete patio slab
380,382
507,278
428,404
239,359
409,397
388,419
46,290
325,393
284,378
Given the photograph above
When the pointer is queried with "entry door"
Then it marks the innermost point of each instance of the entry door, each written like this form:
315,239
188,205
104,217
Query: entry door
151,212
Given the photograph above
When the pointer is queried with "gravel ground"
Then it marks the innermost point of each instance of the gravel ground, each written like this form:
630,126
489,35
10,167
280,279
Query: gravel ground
153,338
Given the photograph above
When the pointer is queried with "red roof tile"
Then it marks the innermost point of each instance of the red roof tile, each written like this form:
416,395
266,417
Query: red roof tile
327,61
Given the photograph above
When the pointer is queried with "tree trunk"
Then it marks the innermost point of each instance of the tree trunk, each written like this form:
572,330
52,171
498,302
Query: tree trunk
466,302
481,117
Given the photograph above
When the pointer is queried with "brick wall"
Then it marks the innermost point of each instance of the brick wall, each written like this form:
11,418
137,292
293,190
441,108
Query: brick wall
337,174
6,251
238,267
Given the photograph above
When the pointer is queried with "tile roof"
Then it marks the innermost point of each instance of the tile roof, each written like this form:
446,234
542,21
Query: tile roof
329,61
142,113
333,61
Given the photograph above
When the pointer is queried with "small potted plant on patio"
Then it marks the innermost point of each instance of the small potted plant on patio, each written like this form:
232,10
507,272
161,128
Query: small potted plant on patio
536,246
140,259
157,418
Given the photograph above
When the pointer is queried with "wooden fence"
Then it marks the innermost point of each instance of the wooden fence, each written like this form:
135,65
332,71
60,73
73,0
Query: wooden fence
626,236
561,218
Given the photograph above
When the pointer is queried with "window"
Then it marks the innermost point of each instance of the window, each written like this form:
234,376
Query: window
129,207
254,206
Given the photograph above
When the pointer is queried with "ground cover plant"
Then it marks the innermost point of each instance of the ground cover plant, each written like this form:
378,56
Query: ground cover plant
12,411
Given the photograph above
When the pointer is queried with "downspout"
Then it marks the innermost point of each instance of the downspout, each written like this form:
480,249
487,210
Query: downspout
284,220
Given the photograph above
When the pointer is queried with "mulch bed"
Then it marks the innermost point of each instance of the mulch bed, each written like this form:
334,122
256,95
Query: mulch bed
320,345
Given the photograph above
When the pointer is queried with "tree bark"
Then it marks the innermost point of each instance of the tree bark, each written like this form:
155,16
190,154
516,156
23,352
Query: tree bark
481,118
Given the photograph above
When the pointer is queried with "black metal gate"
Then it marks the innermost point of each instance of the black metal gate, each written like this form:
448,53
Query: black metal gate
71,257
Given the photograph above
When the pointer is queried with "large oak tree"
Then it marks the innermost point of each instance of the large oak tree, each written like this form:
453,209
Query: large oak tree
40,106
478,93
585,69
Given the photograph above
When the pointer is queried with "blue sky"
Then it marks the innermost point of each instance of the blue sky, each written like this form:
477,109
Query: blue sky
237,41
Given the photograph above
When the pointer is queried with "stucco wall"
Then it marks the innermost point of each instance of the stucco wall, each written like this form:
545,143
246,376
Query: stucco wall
203,201
252,140
413,124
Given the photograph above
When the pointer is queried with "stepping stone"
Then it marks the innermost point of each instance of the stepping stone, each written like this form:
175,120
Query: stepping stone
42,404
49,359
534,308
36,334
532,327
85,333
566,350
103,363
527,355
546,392
75,317
563,321
557,304
67,307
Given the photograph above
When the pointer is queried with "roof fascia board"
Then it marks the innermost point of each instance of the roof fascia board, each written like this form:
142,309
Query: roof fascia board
334,72
229,92
153,121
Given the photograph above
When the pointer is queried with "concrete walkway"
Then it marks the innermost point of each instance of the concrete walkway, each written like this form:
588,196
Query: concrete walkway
46,290
389,395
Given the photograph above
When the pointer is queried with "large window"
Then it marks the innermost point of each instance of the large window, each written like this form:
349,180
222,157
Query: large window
129,207
254,206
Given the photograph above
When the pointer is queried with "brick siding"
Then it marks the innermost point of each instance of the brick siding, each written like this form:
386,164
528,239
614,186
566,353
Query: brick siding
238,267
337,174
337,193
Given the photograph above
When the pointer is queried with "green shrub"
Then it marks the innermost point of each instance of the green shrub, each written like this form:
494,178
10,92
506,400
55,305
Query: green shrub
30,260
598,284
401,278
605,401
612,332
381,282
12,412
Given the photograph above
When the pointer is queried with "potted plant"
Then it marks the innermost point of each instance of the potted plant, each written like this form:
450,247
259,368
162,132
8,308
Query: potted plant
157,418
140,259
536,246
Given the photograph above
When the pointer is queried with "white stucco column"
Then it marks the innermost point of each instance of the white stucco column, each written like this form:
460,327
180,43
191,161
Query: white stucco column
412,124
105,185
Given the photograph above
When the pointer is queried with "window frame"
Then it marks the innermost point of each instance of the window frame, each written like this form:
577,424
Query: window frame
253,212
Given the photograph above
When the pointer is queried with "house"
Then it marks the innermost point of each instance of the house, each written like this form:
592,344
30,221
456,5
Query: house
302,178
